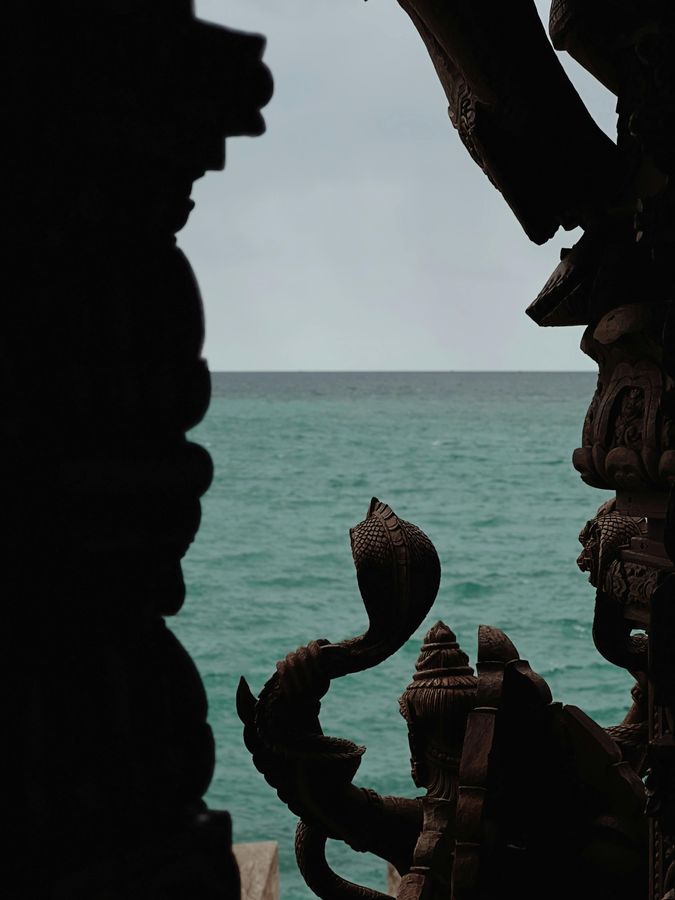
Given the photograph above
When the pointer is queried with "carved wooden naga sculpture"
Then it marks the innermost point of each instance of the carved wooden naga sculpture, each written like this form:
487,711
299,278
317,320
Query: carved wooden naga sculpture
517,787
522,794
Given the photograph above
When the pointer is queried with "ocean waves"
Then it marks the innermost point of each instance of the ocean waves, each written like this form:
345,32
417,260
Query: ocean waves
480,461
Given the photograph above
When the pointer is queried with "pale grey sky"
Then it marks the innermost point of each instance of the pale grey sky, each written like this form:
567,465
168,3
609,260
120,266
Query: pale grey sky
357,233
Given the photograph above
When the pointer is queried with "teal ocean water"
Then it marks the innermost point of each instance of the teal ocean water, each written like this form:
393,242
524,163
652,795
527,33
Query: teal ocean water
480,461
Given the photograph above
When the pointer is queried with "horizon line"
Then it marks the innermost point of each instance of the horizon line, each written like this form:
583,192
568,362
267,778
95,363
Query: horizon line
403,371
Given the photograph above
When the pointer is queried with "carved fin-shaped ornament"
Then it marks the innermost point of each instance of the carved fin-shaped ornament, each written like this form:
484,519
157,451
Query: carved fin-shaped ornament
495,651
528,689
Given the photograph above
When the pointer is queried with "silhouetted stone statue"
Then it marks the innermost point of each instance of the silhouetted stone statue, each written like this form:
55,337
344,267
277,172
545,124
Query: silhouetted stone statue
112,110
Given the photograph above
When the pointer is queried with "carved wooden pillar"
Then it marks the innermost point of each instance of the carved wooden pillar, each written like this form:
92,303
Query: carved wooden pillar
627,447
514,108
114,108
618,280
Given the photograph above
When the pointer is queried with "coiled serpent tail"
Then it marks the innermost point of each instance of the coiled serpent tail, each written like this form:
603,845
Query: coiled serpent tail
310,853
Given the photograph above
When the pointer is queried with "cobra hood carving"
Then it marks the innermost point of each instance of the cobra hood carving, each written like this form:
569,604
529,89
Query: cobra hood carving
490,749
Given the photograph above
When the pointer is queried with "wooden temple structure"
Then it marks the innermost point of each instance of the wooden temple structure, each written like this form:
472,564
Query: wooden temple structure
113,108
525,796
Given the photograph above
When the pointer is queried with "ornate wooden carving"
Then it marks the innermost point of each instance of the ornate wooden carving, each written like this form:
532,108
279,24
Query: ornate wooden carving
627,435
618,281
516,786
436,705
516,111
540,788
398,575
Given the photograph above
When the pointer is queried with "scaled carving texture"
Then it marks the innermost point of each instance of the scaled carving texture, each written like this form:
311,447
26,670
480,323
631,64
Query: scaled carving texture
113,109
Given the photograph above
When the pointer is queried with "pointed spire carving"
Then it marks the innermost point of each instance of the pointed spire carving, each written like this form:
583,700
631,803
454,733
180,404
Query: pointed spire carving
435,705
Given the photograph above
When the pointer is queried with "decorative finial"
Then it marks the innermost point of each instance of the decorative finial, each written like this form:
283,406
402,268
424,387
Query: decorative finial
441,656
435,705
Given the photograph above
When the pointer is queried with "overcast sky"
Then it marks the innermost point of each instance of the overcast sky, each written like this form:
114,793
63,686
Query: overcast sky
357,233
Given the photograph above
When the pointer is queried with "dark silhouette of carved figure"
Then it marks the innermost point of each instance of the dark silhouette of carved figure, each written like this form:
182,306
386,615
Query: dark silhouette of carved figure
525,126
112,110
398,575
517,786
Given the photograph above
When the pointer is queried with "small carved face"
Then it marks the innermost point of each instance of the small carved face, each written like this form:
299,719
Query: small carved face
602,537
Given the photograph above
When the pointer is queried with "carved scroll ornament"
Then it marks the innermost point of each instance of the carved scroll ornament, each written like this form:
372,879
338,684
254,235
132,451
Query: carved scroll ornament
517,112
628,436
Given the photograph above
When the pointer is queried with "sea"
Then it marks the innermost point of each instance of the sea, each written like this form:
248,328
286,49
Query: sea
480,461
